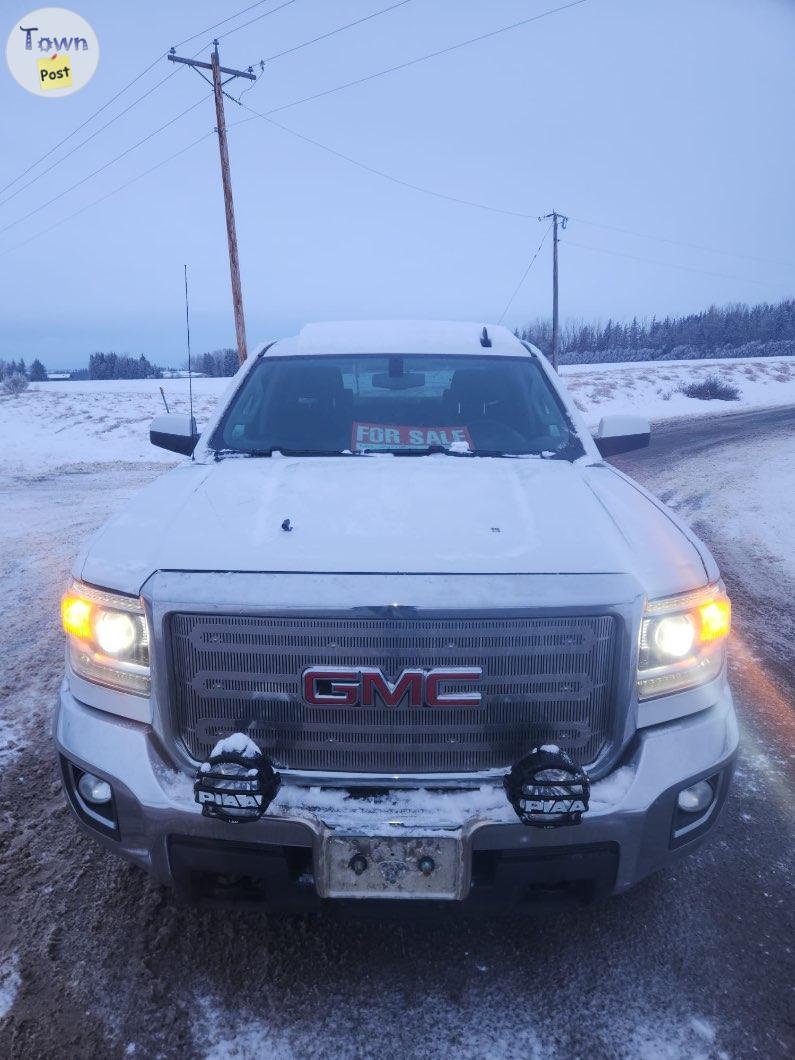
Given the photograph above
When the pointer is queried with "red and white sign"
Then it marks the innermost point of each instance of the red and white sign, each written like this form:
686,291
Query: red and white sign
375,436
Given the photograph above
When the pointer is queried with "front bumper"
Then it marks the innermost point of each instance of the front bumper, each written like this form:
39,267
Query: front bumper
629,831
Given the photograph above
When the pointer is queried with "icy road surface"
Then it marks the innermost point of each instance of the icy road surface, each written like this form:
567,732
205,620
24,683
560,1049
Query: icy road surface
96,961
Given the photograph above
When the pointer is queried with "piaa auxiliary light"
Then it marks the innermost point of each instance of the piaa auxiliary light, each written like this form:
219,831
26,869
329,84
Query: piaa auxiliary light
547,788
234,787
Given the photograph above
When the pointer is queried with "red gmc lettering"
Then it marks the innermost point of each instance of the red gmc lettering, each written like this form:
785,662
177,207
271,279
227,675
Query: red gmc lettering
343,686
350,688
410,681
434,697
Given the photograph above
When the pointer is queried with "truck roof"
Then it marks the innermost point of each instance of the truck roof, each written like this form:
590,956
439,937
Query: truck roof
399,336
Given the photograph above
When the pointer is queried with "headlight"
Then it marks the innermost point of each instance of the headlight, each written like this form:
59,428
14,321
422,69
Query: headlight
683,641
108,638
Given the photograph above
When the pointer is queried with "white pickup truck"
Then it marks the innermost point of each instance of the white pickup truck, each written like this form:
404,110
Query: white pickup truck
396,631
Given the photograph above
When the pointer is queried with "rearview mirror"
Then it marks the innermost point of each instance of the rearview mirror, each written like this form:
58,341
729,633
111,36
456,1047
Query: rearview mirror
175,432
406,381
620,434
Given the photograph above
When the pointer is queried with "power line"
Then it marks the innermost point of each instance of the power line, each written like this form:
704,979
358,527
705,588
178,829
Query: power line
369,77
524,275
90,137
322,36
271,11
82,125
424,58
121,92
379,172
381,73
333,32
251,21
230,18
115,191
72,187
300,136
682,243
314,40
666,264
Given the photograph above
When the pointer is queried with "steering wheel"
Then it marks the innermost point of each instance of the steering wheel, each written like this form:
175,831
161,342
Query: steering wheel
491,434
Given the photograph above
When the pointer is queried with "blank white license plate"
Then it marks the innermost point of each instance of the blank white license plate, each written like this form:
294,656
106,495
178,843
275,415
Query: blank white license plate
391,867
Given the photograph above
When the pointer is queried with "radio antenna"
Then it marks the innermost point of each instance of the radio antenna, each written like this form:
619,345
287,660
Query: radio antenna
190,369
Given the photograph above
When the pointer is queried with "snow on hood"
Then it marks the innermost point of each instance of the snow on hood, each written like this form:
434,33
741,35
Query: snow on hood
431,514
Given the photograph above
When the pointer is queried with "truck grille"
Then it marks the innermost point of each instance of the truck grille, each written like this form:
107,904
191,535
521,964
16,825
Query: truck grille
545,680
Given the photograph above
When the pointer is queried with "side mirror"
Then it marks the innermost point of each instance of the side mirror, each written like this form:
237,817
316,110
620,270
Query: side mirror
174,432
620,434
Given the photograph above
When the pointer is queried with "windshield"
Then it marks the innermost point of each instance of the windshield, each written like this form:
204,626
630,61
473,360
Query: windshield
403,404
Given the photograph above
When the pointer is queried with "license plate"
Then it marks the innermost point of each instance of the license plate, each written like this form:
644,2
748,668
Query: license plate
391,867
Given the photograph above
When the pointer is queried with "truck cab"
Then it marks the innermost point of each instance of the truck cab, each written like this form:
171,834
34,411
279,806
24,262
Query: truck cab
393,629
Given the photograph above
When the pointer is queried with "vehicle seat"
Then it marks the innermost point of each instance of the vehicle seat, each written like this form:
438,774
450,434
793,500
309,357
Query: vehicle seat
474,395
309,408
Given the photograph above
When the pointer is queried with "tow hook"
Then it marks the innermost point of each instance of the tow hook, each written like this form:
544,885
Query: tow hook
236,785
547,788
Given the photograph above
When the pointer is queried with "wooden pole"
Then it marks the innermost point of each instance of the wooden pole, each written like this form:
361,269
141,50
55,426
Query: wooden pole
562,220
229,206
555,290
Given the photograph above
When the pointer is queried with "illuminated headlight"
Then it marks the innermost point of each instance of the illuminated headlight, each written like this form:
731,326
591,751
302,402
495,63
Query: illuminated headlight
683,641
108,638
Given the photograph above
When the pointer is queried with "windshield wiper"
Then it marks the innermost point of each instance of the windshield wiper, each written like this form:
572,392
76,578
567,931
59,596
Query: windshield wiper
280,450
434,450
423,450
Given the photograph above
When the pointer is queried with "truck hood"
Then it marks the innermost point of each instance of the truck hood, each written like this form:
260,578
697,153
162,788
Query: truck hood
386,514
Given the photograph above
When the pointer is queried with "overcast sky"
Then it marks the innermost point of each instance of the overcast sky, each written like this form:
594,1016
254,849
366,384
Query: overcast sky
668,118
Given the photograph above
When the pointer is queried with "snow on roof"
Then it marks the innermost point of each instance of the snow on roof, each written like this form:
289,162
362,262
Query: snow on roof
399,336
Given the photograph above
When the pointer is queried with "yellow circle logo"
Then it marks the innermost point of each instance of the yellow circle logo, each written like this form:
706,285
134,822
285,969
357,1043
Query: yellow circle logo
52,52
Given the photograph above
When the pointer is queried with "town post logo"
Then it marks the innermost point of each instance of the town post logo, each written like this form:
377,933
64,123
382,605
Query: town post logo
52,52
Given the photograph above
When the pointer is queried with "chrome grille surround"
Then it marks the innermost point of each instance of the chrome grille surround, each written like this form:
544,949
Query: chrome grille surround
545,680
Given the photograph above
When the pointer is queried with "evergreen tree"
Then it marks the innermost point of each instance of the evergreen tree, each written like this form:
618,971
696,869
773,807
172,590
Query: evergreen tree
230,362
38,373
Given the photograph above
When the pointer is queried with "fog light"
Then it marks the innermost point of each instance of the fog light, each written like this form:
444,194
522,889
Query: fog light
696,798
546,788
237,782
94,790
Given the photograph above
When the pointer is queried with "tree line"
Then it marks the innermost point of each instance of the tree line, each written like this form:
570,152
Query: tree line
217,364
101,365
121,366
213,363
738,330
37,373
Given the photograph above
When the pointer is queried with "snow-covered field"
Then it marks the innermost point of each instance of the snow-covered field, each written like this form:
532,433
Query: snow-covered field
53,424
653,388
749,507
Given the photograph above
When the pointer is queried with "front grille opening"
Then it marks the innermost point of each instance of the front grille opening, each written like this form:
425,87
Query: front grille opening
545,680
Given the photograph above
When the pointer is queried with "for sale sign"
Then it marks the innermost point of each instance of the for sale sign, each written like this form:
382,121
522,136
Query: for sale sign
372,437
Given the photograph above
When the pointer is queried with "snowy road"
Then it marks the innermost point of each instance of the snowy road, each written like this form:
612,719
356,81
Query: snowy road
96,961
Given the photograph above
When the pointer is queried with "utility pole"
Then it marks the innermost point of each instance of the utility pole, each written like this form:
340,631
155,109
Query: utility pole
557,219
231,232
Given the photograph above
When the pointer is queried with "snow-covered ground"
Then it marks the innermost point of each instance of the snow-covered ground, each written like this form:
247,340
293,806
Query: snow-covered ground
58,423
748,506
652,388
53,424
633,978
